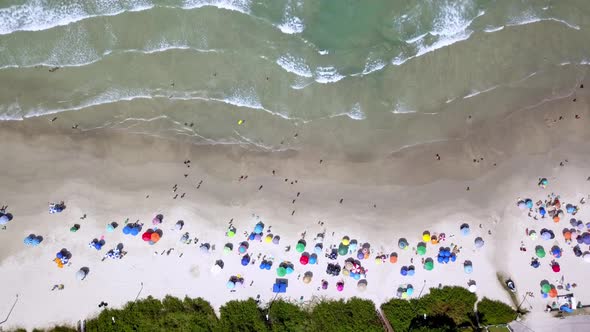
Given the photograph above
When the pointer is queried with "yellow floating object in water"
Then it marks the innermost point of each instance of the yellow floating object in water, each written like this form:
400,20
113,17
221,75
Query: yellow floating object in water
240,121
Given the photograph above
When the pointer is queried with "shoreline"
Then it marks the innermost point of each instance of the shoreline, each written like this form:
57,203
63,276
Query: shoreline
107,175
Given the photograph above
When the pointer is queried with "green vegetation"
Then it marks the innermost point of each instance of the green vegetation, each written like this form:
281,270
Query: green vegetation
498,329
353,315
446,309
442,310
493,312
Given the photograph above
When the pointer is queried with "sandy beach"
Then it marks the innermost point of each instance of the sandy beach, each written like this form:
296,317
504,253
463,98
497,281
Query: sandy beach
113,176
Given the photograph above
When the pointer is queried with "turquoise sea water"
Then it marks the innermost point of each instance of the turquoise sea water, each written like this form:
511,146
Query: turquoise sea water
346,74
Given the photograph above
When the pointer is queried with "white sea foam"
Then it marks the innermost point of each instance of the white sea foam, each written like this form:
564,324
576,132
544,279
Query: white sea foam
37,15
356,113
12,112
401,108
323,52
373,65
294,65
529,19
242,6
493,29
326,75
476,92
249,99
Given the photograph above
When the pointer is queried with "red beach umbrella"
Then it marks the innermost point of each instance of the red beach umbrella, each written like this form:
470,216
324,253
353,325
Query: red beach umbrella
146,236
555,267
304,259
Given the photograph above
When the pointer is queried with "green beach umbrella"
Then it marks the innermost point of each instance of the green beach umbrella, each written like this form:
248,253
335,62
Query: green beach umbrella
342,249
300,247
421,249
281,271
540,252
429,265
545,288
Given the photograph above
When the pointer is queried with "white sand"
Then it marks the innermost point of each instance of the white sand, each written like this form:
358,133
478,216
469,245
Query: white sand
109,178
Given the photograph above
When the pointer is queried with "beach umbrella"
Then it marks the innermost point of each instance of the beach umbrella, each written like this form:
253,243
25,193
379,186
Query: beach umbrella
393,258
410,290
127,229
231,285
318,248
440,259
135,230
570,209
281,271
179,224
155,237
465,230
545,288
258,237
429,265
555,267
259,228
215,269
304,259
362,285
533,235
252,236
340,286
521,205
472,288
468,268
402,243
421,249
156,220
479,242
360,255
535,264
110,228
553,293
587,257
263,265
324,284
404,271
245,260
529,203
306,278
81,274
268,238
345,241
231,232
342,249
147,235
543,183
313,259
352,245
540,251
276,239
542,211
586,238
204,248
300,247
546,234
426,236
289,269
580,225
411,271
226,249
556,252
347,273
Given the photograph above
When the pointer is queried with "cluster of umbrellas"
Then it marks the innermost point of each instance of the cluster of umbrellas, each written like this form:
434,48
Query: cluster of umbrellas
245,260
82,273
256,235
285,268
111,227
62,257
347,246
234,281
56,207
354,269
152,236
308,259
33,240
584,238
407,270
333,269
5,218
97,244
364,252
445,255
579,224
405,291
158,219
548,290
265,265
132,229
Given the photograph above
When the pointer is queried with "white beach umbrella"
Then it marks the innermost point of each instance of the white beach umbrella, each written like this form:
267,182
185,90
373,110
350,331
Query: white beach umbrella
472,288
587,257
81,274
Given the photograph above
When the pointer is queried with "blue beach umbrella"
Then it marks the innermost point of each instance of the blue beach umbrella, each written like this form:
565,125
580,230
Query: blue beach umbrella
404,271
542,211
126,229
529,203
259,228
410,291
289,270
411,271
245,260
135,230
252,236
313,259
465,230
